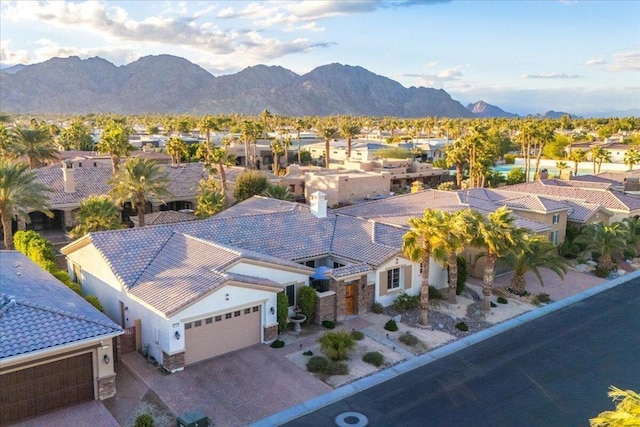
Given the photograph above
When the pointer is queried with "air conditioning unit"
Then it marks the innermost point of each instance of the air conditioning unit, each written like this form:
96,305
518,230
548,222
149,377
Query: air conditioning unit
193,418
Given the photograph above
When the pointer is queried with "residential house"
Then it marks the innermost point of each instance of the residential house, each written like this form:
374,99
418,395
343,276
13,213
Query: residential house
56,349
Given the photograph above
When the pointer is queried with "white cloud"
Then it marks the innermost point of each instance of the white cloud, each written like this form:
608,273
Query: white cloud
13,57
597,61
551,76
625,61
430,64
448,77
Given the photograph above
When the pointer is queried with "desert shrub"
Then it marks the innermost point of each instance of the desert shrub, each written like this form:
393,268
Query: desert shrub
63,276
405,302
328,324
581,260
461,326
21,240
516,176
94,301
42,252
435,293
446,186
509,159
601,272
277,344
282,303
391,325
629,253
502,300
144,420
595,255
337,368
337,345
408,339
249,184
463,275
373,358
75,288
357,335
307,297
541,299
377,308
308,353
568,249
318,364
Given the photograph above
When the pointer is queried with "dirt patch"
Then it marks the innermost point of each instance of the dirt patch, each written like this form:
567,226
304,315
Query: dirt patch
151,404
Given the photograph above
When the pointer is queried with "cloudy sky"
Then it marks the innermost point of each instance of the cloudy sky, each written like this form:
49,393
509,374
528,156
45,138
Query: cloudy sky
524,56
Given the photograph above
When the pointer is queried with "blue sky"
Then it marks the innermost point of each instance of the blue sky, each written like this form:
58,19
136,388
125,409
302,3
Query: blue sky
523,56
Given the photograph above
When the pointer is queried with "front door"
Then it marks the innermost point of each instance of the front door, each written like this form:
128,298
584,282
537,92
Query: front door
349,307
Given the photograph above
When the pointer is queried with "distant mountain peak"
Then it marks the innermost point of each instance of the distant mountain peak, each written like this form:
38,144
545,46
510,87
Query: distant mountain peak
482,109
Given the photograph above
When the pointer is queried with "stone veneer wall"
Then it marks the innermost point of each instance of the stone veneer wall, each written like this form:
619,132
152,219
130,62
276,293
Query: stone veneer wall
270,333
106,387
338,288
365,295
173,363
325,307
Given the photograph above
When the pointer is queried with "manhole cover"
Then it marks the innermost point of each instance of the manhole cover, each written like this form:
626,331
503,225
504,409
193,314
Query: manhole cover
351,419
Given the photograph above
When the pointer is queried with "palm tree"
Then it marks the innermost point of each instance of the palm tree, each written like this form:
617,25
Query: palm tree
299,126
210,200
115,142
278,149
7,142
176,148
97,213
279,192
20,193
527,134
453,236
349,129
36,143
222,159
631,157
139,180
599,155
531,254
417,245
633,232
576,157
328,133
457,155
606,240
497,234
250,132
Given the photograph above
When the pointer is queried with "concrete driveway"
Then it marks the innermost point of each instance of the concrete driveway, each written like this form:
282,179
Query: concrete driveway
234,389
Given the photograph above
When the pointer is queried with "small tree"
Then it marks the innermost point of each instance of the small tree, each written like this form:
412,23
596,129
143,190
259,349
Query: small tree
337,345
249,184
22,239
307,298
515,176
283,311
42,252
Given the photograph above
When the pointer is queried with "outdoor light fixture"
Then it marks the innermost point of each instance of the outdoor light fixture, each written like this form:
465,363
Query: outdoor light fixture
226,297
177,335
273,310
106,359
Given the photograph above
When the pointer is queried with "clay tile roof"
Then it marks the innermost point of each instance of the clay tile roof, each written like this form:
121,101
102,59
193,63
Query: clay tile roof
164,217
38,312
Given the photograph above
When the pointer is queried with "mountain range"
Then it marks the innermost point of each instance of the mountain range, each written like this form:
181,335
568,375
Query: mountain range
172,85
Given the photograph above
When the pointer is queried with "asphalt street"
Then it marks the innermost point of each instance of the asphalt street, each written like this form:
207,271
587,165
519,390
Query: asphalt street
552,371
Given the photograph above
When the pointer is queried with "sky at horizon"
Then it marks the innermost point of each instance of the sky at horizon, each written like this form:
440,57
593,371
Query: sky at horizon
526,57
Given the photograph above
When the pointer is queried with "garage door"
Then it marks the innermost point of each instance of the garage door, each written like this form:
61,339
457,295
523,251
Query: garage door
216,335
36,390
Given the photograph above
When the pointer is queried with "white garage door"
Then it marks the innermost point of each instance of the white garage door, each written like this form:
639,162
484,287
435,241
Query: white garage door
216,335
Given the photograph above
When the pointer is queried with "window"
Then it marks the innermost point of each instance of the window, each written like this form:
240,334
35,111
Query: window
290,291
311,263
187,325
554,237
337,264
393,278
209,320
197,323
556,218
228,316
218,318
256,308
319,285
247,310
236,313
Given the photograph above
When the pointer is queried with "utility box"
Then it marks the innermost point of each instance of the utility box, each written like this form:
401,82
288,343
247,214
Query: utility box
193,418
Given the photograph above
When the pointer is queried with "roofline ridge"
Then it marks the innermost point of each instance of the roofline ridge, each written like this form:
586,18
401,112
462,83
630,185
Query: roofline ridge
56,310
142,270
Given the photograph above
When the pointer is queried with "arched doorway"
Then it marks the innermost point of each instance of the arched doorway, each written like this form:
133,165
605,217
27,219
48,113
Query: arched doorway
41,222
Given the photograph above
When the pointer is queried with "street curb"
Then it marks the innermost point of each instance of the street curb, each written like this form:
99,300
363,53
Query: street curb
333,396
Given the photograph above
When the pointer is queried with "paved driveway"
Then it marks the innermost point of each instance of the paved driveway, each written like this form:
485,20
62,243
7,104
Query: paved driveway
233,389
91,413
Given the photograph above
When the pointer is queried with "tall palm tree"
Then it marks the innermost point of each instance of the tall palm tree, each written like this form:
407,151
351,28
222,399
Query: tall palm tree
545,135
497,234
631,157
7,142
250,133
607,240
527,134
20,193
349,129
278,149
457,155
633,232
417,245
300,125
36,143
533,253
327,132
136,182
576,157
114,141
221,159
97,213
176,148
453,236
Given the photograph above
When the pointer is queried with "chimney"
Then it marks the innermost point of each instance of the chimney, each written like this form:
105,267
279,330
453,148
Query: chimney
318,204
544,174
68,177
